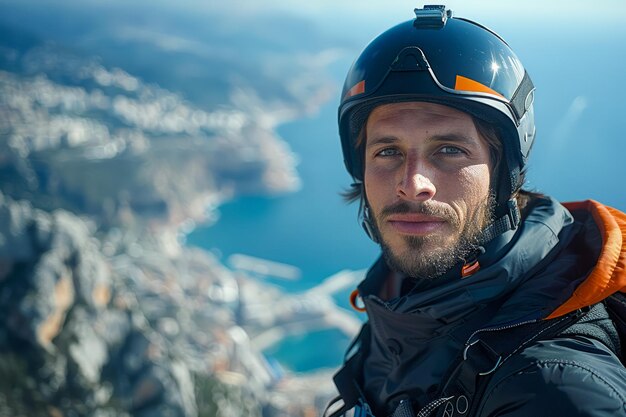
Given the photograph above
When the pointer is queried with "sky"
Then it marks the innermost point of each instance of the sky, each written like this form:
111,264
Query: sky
383,11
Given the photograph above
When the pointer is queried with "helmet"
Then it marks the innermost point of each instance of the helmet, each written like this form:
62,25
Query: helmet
445,60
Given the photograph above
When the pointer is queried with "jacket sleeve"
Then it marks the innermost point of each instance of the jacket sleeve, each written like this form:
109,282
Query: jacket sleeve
560,377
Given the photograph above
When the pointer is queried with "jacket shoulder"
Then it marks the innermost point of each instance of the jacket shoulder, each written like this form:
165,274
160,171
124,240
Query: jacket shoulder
565,376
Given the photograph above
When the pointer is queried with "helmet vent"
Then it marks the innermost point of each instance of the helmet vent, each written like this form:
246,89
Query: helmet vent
410,59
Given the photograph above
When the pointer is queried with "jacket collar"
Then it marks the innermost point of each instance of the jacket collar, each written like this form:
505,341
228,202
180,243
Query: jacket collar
608,276
560,258
529,275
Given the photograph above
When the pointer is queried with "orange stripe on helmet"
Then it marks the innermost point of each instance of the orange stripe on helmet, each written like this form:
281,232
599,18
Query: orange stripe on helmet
358,88
467,84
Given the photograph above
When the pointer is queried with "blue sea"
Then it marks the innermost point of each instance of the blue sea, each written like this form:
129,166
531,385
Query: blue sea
312,229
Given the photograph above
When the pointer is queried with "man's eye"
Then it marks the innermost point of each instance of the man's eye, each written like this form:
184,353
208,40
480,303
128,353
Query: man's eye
388,152
451,150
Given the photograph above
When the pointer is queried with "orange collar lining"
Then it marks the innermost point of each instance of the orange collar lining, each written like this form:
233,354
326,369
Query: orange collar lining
609,274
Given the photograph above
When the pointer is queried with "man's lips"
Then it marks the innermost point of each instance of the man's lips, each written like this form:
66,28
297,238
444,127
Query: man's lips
415,223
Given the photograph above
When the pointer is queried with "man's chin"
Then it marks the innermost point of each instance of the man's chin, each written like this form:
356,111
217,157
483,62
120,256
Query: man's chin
421,256
428,266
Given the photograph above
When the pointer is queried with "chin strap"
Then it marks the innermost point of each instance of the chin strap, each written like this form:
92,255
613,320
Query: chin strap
366,223
509,221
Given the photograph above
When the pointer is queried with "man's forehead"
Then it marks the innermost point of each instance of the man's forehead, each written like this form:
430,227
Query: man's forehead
443,123
416,115
425,109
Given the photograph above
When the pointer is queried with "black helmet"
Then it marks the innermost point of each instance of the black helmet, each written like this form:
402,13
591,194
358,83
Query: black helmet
446,60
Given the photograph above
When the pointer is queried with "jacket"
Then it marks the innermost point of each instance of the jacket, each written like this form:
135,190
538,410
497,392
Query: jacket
560,259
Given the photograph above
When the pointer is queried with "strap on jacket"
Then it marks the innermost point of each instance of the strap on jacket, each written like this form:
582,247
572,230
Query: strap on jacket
469,375
346,379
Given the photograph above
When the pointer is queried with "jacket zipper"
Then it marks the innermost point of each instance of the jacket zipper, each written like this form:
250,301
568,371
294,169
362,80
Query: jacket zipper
432,406
577,315
499,328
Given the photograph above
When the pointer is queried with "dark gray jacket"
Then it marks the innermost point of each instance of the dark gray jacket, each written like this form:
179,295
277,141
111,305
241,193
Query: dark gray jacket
557,262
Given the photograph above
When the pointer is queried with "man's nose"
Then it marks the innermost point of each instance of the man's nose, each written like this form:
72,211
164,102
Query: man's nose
416,183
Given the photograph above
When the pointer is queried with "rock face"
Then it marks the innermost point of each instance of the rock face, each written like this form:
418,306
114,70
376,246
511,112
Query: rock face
102,311
145,334
66,324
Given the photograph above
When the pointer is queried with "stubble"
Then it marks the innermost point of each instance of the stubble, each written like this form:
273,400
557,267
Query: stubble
419,263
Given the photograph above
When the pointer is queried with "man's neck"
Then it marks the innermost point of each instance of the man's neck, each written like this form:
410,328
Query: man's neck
392,286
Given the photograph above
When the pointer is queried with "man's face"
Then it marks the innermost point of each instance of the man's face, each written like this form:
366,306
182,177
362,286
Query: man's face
427,182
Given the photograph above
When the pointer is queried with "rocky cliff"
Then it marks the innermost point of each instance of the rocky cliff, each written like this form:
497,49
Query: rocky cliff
103,311
115,325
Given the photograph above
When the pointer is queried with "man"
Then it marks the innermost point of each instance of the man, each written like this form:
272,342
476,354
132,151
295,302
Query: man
488,299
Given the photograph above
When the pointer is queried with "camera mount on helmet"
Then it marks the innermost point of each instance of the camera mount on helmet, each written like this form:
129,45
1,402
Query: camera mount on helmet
432,16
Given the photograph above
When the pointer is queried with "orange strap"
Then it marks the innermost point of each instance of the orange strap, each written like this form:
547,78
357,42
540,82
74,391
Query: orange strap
470,269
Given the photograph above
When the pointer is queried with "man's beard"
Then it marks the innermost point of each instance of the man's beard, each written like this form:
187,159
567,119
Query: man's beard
441,258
